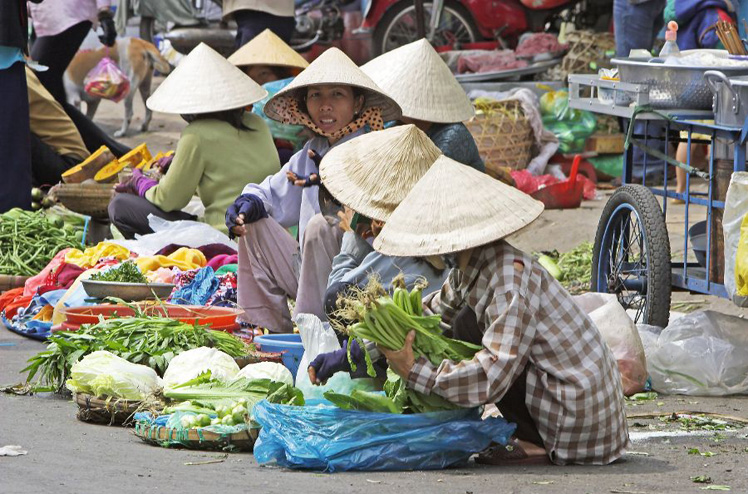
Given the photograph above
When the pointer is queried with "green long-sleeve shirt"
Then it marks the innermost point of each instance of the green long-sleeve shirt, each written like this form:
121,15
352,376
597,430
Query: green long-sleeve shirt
216,160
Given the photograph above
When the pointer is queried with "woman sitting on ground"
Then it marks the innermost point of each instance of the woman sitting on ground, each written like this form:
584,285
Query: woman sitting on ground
221,148
338,102
430,96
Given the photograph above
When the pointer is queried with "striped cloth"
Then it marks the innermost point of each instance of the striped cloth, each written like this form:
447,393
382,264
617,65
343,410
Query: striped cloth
574,391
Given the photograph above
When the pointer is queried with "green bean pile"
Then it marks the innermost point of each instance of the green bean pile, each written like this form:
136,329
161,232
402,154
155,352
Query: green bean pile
28,241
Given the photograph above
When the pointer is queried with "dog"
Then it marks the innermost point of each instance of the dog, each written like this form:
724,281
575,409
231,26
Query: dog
136,59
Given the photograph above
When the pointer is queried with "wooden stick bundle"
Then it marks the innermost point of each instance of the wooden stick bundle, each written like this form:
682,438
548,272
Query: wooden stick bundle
729,36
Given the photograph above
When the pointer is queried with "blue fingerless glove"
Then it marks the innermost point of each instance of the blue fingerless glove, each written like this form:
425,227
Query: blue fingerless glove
250,206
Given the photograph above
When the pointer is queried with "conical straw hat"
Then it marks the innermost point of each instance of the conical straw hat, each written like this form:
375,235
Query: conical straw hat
334,67
268,49
374,172
421,83
205,82
454,208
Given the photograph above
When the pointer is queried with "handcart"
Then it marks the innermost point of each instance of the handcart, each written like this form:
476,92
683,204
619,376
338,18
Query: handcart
632,254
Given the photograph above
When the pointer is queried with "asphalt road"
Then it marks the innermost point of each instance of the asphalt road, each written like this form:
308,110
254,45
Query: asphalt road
69,456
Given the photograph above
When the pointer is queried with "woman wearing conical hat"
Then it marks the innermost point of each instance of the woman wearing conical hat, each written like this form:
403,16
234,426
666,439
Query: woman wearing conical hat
221,148
543,363
268,58
417,78
338,102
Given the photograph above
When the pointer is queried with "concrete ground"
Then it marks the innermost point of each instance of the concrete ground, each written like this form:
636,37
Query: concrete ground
65,455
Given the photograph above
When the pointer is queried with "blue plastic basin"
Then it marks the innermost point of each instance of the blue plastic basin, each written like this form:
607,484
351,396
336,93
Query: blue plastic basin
288,344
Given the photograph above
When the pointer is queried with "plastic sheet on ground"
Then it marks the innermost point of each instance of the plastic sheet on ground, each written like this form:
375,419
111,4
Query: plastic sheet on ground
187,233
320,436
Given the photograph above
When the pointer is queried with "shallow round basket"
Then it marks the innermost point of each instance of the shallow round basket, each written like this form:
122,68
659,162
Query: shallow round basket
89,199
102,411
196,438
503,135
129,292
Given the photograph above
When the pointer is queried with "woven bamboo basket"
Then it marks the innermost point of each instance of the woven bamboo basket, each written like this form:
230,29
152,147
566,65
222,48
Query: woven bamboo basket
88,199
98,411
9,282
196,438
503,135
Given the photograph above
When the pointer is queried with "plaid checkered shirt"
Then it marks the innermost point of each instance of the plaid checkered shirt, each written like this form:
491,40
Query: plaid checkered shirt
574,391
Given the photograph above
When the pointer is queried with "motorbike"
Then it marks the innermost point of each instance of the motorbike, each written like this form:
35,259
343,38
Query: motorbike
457,23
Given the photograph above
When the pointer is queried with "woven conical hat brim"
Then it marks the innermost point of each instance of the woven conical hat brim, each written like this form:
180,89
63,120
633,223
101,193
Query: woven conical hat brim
268,49
374,172
333,67
455,208
205,82
421,83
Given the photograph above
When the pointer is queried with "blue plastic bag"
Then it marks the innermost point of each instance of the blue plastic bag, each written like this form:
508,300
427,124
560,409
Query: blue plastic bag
320,436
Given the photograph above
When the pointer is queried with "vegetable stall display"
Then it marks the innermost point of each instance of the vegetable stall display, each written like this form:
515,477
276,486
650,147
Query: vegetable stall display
126,272
151,341
29,240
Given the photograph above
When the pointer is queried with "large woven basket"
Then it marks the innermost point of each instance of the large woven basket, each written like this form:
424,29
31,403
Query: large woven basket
88,199
196,438
111,412
504,136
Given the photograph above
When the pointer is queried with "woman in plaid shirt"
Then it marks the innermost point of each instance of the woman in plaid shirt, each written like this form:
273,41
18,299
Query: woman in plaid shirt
544,363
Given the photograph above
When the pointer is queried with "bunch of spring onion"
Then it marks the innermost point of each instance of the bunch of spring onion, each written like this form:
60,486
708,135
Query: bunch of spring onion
387,320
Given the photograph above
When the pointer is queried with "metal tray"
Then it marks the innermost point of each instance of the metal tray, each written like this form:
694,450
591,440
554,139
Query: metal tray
673,86
506,74
128,292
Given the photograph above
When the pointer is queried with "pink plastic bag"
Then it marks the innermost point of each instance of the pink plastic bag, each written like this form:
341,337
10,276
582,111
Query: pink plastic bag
107,81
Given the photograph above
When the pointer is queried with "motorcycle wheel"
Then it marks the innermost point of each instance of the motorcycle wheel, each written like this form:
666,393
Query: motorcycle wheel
398,27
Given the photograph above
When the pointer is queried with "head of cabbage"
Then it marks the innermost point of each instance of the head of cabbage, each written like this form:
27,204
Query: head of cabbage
103,374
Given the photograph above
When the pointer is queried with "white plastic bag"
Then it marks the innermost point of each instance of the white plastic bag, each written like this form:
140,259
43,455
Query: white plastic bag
103,374
319,338
266,370
619,332
190,364
188,233
704,353
736,208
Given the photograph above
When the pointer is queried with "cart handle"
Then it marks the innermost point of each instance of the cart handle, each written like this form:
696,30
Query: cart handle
711,77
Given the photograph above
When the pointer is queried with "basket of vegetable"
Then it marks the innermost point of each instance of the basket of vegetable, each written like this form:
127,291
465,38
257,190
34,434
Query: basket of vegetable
503,134
197,436
91,199
125,282
28,241
105,411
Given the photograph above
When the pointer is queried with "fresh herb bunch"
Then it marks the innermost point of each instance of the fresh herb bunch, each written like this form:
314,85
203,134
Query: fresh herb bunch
29,240
126,272
151,341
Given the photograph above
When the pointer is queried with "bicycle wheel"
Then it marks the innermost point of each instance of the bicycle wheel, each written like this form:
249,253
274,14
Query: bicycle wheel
632,255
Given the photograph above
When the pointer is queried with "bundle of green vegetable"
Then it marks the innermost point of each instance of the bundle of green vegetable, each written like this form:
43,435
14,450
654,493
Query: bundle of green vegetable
126,272
29,240
386,321
151,341
573,269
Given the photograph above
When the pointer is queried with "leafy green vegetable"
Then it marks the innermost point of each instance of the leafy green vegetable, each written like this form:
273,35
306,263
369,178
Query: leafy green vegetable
126,272
716,488
701,479
151,341
363,400
214,393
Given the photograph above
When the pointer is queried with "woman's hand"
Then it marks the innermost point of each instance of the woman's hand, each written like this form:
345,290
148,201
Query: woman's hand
246,209
401,361
346,217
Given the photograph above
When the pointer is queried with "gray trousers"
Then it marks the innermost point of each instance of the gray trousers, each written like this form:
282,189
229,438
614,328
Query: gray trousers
272,269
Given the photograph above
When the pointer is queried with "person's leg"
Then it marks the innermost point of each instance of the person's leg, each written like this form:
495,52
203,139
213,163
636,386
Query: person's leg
681,154
93,136
268,275
320,245
47,166
129,213
15,190
56,52
513,408
250,23
636,25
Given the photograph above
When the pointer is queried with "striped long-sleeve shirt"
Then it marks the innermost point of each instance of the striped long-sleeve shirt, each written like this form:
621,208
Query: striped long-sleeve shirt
574,389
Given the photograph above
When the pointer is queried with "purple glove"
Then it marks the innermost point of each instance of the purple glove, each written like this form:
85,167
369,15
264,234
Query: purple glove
138,184
250,206
327,364
164,163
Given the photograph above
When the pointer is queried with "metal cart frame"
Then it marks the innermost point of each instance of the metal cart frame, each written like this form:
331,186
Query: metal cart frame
684,275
